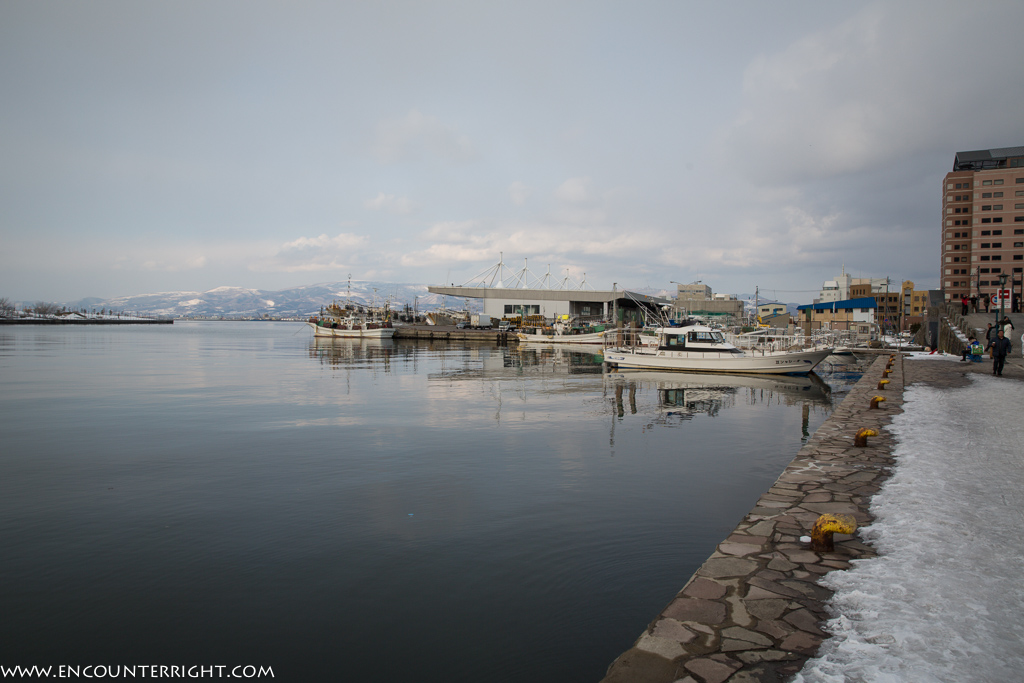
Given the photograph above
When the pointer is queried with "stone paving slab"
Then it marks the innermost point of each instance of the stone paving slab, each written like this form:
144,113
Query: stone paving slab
753,612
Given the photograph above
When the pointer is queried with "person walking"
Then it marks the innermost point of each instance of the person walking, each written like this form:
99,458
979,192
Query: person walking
1000,349
974,303
964,302
1007,327
985,300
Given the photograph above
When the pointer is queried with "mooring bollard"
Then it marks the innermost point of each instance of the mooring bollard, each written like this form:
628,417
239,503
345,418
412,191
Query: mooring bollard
861,438
875,401
882,383
828,524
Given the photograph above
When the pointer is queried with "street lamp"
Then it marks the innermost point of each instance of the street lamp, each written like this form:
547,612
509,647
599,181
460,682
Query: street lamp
1002,297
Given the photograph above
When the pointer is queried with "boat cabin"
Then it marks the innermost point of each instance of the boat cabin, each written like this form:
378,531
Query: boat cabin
694,338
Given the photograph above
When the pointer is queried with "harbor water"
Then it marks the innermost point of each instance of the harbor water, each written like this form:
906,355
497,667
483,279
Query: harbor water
240,494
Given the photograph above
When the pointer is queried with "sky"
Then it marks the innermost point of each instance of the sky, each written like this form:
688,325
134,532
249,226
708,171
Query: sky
187,145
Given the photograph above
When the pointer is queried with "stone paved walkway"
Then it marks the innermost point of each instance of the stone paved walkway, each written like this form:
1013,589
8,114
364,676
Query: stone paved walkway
753,611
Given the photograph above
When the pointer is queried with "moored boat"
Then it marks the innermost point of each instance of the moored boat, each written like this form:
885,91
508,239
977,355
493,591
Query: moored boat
697,348
563,332
352,320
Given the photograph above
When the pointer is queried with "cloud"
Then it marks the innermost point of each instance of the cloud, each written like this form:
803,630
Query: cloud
340,241
311,254
574,190
519,193
415,136
887,83
390,203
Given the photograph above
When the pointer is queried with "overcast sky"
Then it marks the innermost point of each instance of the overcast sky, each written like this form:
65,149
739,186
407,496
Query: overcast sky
161,146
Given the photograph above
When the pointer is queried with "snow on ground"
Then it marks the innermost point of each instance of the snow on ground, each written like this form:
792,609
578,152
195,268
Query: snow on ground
930,355
944,601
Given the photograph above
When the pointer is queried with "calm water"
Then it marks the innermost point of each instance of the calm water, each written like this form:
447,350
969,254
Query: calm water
236,493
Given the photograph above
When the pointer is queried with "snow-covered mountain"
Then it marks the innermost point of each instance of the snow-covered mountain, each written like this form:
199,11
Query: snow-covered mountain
238,302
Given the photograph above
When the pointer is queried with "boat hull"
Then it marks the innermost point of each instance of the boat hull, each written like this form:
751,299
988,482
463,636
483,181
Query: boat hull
782,363
346,333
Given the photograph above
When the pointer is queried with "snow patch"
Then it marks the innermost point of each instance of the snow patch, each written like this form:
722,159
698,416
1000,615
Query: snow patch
942,601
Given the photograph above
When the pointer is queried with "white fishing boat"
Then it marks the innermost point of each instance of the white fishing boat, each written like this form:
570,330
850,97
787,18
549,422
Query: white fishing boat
697,348
352,320
563,332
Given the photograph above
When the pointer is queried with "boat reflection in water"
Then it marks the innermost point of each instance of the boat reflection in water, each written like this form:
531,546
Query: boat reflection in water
342,351
668,398
675,397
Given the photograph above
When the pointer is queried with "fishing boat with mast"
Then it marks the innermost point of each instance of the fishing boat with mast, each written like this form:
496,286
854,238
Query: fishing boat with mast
350,320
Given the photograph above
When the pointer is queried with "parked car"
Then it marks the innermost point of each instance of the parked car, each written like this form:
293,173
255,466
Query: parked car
461,325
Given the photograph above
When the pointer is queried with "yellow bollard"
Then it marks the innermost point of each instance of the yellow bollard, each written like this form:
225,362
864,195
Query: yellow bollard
828,524
876,400
882,383
861,438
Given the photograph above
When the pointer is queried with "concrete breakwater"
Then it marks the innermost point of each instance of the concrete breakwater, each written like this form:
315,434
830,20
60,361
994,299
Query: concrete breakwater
754,610
86,321
451,333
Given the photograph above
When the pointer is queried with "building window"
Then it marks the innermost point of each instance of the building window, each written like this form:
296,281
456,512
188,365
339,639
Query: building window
997,232
986,245
985,258
997,194
1018,219
956,259
997,245
997,207
1021,179
986,195
1018,206
986,207
983,283
997,182
997,270
983,270
986,182
985,220
997,219
956,247
997,257
1018,245
1018,257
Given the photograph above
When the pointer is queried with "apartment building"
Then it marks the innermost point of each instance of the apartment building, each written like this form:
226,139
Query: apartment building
983,223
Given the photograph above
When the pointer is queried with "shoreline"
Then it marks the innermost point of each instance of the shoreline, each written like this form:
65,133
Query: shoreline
753,611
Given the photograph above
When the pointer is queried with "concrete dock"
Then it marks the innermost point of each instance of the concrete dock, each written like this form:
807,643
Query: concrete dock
753,612
452,333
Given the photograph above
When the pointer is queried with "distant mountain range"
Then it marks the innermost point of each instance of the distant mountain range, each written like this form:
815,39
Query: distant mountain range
303,301
239,302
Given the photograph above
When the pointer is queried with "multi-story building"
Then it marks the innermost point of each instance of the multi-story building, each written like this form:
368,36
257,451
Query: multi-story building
698,300
837,289
983,223
854,315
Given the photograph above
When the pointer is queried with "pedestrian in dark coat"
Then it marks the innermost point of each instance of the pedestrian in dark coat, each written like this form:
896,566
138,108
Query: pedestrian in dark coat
964,301
985,300
1000,349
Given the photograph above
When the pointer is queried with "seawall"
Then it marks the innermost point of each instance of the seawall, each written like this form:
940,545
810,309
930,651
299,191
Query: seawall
451,333
753,610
